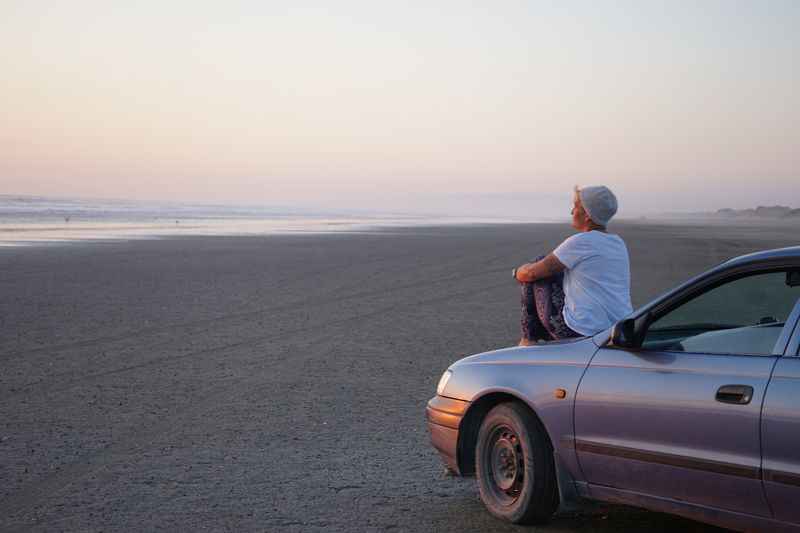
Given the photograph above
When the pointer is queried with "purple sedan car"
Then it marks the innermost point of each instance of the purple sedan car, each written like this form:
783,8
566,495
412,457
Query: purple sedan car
690,406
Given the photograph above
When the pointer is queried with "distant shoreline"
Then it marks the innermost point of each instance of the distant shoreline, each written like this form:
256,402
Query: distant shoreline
25,233
74,232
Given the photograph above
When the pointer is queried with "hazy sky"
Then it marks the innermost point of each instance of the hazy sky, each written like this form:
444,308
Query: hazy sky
677,105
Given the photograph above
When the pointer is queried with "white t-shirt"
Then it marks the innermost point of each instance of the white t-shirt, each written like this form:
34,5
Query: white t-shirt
597,282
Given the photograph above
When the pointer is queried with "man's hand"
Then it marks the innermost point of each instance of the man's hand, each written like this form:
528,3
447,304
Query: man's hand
549,266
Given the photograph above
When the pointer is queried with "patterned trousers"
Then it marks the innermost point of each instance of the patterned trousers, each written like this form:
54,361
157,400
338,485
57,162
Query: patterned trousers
542,310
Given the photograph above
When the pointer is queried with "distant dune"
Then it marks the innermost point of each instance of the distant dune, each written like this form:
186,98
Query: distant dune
773,213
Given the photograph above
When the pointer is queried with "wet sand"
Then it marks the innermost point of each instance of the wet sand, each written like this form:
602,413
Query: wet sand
273,383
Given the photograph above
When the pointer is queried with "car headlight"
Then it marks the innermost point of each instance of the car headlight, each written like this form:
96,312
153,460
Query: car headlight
443,382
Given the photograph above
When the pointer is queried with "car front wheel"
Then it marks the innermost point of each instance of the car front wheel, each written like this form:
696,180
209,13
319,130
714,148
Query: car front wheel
514,466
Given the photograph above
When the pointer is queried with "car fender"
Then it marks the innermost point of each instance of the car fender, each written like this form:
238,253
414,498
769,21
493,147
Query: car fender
537,376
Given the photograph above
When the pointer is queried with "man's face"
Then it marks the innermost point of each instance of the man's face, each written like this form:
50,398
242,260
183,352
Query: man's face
579,215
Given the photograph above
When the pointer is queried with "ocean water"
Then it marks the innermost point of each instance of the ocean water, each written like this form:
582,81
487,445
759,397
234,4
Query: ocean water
29,220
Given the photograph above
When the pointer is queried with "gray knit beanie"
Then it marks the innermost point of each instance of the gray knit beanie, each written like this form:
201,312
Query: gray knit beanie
599,202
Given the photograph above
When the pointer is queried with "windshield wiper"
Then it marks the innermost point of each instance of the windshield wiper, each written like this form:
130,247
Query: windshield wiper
707,326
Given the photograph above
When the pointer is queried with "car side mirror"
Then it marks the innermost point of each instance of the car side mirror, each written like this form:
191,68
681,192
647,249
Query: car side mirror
793,278
623,334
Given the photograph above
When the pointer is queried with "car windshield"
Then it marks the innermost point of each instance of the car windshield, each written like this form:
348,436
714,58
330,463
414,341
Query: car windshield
712,326
745,315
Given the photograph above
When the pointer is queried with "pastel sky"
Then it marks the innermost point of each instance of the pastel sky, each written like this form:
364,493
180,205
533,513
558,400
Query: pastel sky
435,104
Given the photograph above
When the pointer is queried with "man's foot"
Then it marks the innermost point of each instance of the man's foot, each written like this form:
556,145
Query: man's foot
526,342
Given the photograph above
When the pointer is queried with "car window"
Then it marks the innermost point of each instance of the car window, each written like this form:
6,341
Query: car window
744,316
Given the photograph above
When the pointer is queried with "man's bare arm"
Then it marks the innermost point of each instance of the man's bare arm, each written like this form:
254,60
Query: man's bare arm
549,266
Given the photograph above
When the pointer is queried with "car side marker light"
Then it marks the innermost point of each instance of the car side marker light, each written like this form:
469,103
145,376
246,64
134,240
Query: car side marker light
560,394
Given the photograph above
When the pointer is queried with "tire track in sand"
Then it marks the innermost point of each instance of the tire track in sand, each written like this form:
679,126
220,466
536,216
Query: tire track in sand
137,439
88,343
27,388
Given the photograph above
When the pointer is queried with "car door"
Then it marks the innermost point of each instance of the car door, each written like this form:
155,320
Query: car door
679,417
780,433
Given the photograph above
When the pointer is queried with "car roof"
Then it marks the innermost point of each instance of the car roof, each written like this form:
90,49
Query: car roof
790,252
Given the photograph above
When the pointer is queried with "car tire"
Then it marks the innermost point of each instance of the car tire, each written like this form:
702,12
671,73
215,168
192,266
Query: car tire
514,466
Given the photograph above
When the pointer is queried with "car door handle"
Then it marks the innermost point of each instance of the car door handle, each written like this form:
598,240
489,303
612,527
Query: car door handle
738,394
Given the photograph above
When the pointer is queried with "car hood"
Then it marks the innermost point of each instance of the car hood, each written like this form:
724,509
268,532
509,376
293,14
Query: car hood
568,352
528,372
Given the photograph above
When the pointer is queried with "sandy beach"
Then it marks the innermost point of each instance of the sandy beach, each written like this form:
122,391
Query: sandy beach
274,383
